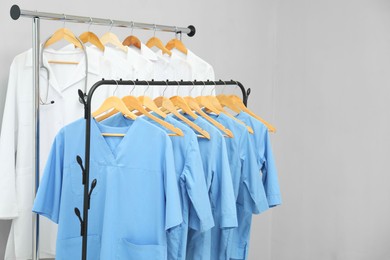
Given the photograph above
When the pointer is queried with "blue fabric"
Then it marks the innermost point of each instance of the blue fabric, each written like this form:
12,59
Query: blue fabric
265,158
191,180
248,187
136,198
203,245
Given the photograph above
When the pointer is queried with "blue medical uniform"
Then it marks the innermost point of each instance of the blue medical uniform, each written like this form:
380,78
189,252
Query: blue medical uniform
248,188
202,245
191,179
265,158
136,199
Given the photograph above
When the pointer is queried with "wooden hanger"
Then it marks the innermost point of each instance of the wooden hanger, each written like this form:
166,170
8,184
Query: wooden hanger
217,109
63,34
148,103
194,105
177,44
238,102
67,35
111,38
132,40
167,104
133,103
156,42
91,38
226,101
183,105
115,104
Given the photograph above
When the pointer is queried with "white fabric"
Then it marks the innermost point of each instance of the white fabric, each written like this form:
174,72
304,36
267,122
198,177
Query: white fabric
200,70
131,65
16,191
172,68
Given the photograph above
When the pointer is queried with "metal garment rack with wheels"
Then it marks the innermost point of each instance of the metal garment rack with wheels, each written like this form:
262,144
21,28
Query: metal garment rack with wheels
87,115
16,12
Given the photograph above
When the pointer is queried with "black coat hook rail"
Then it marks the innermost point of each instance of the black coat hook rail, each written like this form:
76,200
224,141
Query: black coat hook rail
87,101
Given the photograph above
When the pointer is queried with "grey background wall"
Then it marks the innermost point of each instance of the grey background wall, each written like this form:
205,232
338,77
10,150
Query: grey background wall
319,71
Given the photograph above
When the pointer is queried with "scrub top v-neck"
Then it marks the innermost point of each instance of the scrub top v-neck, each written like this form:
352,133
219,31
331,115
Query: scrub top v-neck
115,145
136,199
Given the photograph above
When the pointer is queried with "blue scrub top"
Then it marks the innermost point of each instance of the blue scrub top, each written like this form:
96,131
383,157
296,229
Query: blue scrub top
136,198
248,187
191,179
203,245
265,158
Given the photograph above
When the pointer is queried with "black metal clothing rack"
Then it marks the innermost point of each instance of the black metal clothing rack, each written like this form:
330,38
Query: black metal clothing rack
87,100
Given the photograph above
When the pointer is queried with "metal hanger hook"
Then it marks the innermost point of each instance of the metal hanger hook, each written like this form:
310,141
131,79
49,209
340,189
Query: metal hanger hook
215,85
176,32
178,86
132,27
166,82
146,88
90,23
204,86
64,20
131,91
117,86
236,84
223,89
154,30
112,24
193,86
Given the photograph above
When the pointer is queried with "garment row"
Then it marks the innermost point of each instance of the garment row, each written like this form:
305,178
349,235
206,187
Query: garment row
59,106
159,196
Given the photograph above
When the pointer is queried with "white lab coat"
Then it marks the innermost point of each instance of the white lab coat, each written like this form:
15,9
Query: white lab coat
16,174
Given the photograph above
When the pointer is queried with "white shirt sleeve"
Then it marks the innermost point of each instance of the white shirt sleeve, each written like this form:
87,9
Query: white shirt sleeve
8,201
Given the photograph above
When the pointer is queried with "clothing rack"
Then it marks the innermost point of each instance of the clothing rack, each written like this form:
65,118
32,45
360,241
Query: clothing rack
87,115
16,12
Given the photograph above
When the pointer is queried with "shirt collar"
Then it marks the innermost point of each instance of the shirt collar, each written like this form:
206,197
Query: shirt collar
148,53
78,75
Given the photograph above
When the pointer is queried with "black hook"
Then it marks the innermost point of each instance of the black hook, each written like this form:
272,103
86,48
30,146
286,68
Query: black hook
93,185
83,100
78,214
80,162
82,97
248,92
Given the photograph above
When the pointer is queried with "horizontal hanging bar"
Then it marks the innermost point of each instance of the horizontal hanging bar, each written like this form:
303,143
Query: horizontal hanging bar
16,13
245,93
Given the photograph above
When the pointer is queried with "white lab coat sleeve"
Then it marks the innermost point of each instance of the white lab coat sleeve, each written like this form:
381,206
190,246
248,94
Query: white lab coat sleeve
8,142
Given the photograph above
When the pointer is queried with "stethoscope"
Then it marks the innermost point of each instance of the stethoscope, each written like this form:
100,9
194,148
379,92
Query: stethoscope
45,101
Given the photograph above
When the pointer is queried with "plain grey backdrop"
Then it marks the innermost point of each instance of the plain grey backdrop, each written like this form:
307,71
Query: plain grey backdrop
319,71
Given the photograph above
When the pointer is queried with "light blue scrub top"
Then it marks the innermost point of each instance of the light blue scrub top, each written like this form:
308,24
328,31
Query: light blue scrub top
248,187
265,158
191,179
203,245
136,198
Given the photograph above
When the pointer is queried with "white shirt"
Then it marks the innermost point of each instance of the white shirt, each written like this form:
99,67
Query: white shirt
169,67
16,176
128,66
200,70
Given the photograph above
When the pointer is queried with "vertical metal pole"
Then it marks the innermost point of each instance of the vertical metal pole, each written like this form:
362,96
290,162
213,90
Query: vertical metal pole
35,130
